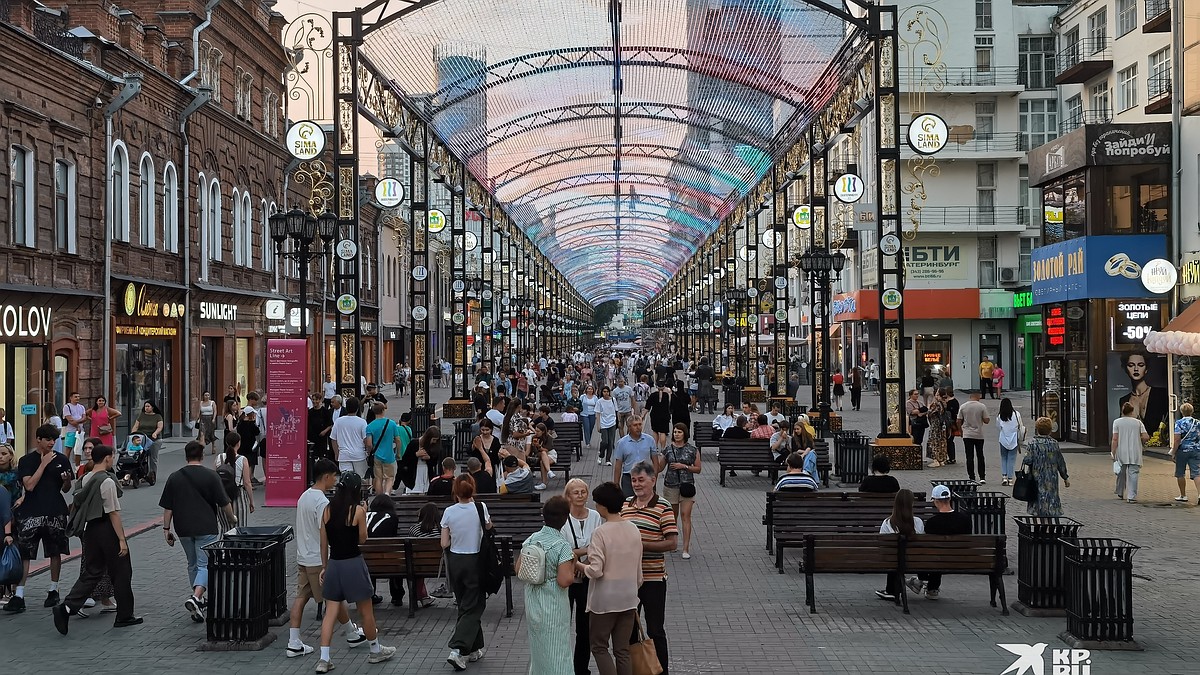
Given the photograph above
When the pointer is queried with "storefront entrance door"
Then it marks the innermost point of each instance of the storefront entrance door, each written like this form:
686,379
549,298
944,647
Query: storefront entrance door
23,382
143,374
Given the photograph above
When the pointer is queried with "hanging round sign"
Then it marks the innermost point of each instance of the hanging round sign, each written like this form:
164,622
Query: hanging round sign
420,273
889,244
1159,276
347,249
891,298
732,322
419,313
306,140
752,292
470,241
486,321
487,294
849,188
781,283
751,319
802,216
927,134
437,221
389,192
781,315
347,303
458,318
459,286
504,300
506,324
771,238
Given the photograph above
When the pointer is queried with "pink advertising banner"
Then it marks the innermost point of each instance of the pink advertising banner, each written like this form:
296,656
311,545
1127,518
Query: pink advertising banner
287,421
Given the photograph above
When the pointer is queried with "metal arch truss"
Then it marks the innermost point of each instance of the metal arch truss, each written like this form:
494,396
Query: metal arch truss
631,178
600,150
626,202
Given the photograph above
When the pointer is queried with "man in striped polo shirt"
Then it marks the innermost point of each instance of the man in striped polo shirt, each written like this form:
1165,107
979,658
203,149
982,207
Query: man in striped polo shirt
656,521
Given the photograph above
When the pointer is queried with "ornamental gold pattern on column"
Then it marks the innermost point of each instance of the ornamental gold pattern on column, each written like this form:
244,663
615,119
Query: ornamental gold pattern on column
316,174
345,69
346,192
346,126
921,40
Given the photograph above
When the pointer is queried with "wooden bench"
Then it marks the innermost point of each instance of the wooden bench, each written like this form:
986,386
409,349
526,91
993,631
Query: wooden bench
833,553
570,437
792,499
748,455
410,558
702,435
792,519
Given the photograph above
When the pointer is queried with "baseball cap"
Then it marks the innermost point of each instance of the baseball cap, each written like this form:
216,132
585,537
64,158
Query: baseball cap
940,492
249,410
350,480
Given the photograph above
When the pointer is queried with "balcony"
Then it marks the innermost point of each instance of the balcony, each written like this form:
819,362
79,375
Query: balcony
961,80
973,219
1083,60
966,143
1158,16
1091,116
1158,93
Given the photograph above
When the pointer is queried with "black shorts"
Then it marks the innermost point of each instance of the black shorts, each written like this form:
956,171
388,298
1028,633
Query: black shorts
50,531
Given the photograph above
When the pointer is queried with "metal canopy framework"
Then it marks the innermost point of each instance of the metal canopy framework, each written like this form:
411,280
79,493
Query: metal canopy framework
615,135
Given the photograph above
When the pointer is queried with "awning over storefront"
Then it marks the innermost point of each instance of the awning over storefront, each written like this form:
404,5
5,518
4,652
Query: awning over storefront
919,303
1181,337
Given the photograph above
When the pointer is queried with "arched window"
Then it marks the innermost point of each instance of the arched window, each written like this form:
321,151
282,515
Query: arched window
146,201
268,246
22,198
170,219
215,230
204,229
236,210
365,269
247,234
65,205
118,214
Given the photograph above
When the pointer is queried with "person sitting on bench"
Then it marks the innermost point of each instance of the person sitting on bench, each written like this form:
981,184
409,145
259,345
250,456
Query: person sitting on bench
796,479
880,481
945,521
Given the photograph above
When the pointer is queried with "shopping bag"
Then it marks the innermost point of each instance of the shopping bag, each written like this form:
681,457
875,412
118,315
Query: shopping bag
1025,488
642,654
11,567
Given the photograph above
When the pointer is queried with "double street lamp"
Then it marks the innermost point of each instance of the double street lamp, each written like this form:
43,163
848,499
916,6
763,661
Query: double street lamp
303,228
822,268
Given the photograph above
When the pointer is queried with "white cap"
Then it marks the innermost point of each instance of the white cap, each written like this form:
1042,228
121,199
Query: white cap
940,492
249,410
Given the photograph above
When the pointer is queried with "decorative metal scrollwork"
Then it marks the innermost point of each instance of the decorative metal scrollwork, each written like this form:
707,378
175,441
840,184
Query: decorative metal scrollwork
320,194
921,40
309,41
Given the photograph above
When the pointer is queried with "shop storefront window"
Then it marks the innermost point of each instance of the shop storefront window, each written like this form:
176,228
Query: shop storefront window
60,381
143,372
242,366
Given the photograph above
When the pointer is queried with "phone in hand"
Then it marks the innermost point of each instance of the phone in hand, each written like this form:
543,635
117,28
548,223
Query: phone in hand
170,539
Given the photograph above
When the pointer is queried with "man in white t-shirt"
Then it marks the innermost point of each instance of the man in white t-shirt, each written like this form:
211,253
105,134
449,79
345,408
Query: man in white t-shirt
496,413
74,414
349,440
328,389
310,510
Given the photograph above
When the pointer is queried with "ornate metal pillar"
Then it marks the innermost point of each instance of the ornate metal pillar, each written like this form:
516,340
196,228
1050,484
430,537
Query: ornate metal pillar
347,345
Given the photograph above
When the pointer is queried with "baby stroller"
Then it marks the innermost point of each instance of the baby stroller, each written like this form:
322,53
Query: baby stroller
133,466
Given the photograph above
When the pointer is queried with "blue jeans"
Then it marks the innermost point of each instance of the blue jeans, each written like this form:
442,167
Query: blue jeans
197,558
1008,457
589,423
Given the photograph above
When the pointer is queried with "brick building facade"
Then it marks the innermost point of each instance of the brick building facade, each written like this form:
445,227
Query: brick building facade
143,147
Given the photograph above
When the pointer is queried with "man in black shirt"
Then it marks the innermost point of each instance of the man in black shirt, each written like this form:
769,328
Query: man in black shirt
952,406
485,483
879,480
738,430
945,521
443,485
373,395
190,499
42,518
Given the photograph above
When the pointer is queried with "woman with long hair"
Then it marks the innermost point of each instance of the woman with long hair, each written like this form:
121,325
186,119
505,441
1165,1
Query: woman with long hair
206,421
230,417
660,405
587,413
486,446
427,526
904,523
607,419
345,577
935,415
428,455
679,485
1012,432
681,406
382,522
581,524
542,447
243,505
462,532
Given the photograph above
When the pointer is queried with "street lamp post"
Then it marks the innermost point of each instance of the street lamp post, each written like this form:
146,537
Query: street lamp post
302,228
822,268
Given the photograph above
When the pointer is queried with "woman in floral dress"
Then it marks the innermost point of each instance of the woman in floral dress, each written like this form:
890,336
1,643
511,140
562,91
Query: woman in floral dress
937,431
1046,463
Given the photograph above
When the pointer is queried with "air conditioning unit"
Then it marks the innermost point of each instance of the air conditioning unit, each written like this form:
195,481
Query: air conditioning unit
1008,275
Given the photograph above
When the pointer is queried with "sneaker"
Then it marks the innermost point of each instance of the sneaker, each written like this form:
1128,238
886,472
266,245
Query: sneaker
457,660
915,585
324,666
194,607
382,655
300,649
608,464
931,595
1181,499
16,604
551,474
61,617
686,556
935,465
983,481
1130,501
599,461
884,595
426,601
477,654
108,609
539,487
89,603
442,592
376,599
357,638
52,599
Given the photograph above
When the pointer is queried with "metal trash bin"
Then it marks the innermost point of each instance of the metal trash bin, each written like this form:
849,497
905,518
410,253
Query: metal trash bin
1041,564
420,419
986,510
961,487
1099,583
462,439
279,534
852,455
241,597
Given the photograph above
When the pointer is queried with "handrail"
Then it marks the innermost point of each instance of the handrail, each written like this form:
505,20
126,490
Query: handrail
1086,49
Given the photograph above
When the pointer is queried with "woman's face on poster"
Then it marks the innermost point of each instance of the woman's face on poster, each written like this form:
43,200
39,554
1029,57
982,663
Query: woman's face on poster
1135,367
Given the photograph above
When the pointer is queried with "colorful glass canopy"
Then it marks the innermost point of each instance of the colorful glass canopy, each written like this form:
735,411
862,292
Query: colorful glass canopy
617,146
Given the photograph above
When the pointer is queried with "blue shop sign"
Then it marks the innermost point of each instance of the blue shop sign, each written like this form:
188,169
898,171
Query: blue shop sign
1106,266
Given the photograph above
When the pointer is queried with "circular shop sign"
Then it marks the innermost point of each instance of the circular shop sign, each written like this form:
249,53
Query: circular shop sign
458,318
891,298
437,221
487,294
419,313
771,238
470,241
459,286
781,283
389,192
504,300
751,319
802,216
506,324
420,273
347,303
849,188
306,140
1159,276
781,315
347,249
889,244
732,322
752,292
486,320
928,134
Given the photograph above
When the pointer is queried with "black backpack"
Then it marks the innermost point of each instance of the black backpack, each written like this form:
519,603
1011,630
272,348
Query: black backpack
491,566
228,474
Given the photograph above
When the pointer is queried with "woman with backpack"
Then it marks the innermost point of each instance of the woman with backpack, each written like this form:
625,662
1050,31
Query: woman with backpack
547,566
234,470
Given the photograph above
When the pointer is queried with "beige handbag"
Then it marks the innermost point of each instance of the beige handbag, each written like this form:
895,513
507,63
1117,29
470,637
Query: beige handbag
642,653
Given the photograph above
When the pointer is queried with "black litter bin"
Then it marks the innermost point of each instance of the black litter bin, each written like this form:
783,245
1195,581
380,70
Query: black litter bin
241,599
852,455
960,487
462,439
986,510
420,419
1099,576
279,534
1041,563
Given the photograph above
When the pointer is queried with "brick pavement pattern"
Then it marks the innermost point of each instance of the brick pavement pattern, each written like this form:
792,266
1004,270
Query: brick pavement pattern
728,609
